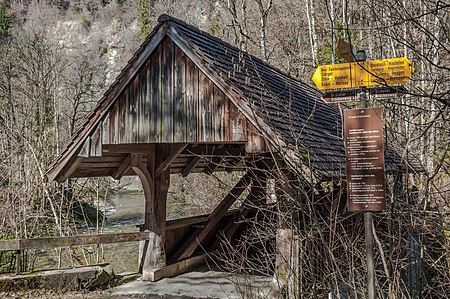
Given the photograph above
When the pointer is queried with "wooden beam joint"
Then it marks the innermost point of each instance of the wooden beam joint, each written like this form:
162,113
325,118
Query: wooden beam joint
187,170
213,165
123,168
172,156
69,169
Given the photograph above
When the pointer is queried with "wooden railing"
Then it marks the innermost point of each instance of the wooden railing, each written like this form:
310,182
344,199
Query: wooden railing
18,245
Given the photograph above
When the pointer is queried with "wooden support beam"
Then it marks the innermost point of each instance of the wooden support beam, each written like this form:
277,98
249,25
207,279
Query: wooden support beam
123,168
174,152
152,252
233,164
215,162
178,223
284,267
161,183
66,173
231,227
142,148
283,260
187,170
144,175
188,248
255,198
14,244
177,268
209,151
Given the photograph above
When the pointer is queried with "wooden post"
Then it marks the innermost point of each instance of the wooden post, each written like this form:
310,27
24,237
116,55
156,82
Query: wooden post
284,241
152,251
18,261
293,279
284,263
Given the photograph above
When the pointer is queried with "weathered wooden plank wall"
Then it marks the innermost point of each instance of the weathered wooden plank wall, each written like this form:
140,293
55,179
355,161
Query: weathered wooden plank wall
171,101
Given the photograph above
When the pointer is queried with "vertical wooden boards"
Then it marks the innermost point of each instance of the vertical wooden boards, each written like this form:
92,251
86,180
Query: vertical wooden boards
105,129
121,120
114,123
144,103
255,141
196,107
155,116
132,130
171,101
191,87
238,130
96,143
179,92
167,91
147,104
86,149
221,115
205,91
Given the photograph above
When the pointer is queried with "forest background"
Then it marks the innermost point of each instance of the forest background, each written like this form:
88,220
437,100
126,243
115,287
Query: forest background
58,57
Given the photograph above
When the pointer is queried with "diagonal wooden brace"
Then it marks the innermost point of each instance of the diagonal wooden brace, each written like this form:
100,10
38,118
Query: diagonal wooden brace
123,168
173,155
188,248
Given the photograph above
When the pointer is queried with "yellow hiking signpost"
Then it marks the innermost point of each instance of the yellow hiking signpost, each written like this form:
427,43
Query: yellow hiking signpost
358,74
363,138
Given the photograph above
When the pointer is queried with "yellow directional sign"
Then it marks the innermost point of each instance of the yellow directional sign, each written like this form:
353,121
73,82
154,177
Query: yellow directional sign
363,74
388,71
334,76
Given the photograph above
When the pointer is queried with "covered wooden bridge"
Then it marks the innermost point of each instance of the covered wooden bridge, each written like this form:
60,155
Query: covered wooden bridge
188,102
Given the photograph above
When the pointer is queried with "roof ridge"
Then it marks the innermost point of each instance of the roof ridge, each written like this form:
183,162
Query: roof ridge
166,18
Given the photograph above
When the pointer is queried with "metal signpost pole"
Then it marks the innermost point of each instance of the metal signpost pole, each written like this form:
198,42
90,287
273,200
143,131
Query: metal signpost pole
369,255
368,228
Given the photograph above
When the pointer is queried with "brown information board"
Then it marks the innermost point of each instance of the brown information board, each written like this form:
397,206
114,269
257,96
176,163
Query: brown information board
365,159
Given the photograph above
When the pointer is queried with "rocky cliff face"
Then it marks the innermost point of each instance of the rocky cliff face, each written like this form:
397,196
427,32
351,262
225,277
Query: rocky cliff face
110,34
112,43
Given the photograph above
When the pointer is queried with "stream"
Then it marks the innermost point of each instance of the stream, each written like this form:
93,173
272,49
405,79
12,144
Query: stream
123,212
124,216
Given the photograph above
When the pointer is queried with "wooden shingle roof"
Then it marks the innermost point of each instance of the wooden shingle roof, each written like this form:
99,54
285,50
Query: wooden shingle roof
292,108
287,112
